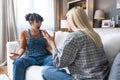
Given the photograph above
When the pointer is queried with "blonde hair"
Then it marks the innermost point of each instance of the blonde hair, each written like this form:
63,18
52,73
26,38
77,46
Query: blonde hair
80,21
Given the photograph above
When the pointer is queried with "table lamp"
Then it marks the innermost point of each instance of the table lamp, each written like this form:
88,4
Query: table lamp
99,16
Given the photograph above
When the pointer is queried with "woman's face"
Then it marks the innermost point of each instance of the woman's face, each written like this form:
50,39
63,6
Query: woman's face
36,24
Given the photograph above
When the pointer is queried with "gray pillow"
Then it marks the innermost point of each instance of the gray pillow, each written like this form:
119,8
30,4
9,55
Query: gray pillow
115,69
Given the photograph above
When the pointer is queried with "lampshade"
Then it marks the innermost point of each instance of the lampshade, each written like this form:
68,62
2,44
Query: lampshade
63,24
99,14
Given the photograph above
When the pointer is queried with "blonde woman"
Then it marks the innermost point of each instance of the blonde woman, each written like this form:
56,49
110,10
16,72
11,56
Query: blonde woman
82,52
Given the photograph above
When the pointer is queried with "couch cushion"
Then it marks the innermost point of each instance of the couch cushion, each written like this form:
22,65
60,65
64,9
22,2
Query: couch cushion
34,73
60,38
111,43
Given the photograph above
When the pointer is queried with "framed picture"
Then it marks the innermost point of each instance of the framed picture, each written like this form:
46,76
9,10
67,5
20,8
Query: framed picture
118,4
81,3
108,23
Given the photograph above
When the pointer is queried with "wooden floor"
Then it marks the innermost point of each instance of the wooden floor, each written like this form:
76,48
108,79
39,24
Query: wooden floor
3,70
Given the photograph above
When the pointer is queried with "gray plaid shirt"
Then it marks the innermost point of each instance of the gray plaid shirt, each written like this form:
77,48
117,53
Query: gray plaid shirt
84,60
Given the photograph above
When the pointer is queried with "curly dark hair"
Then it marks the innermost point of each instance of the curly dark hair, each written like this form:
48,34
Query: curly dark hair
33,17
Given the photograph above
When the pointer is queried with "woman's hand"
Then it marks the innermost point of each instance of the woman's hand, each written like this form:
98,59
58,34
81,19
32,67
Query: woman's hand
14,56
49,48
50,40
48,36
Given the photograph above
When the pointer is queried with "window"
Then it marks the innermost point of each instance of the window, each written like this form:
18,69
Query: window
43,7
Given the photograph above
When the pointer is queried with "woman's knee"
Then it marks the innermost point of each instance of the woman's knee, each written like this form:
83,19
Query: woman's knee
18,62
48,61
46,70
53,73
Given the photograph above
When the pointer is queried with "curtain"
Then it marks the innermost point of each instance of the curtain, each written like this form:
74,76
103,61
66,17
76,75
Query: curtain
8,27
56,15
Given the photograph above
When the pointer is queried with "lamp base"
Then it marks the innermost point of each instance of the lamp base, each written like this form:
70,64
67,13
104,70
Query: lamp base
98,23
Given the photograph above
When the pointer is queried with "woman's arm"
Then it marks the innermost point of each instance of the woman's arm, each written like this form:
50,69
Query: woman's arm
50,43
48,47
14,56
66,55
21,51
23,44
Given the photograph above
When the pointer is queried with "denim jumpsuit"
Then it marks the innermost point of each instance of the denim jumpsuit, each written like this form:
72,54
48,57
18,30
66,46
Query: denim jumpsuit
36,54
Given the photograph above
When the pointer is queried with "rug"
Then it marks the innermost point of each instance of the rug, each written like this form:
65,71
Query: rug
3,77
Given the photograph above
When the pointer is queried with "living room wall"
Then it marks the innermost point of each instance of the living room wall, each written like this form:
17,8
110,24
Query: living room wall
109,7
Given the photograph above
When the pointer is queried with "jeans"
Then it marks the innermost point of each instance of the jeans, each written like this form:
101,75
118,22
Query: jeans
53,73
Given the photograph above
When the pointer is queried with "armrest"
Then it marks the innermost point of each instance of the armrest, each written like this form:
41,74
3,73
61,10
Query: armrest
11,47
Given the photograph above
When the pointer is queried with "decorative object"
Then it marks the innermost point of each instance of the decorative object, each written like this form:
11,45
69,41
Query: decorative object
63,26
117,21
118,4
81,3
117,17
108,23
99,16
112,24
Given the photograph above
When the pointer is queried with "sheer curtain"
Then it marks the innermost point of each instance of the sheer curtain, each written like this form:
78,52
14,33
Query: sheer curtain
46,8
8,27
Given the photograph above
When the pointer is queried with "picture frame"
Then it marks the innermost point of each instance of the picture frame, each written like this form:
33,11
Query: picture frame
118,4
81,3
108,23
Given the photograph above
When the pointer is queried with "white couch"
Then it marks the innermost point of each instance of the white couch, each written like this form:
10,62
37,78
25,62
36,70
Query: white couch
110,38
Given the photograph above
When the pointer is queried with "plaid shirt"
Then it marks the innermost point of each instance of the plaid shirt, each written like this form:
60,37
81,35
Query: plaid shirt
84,60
